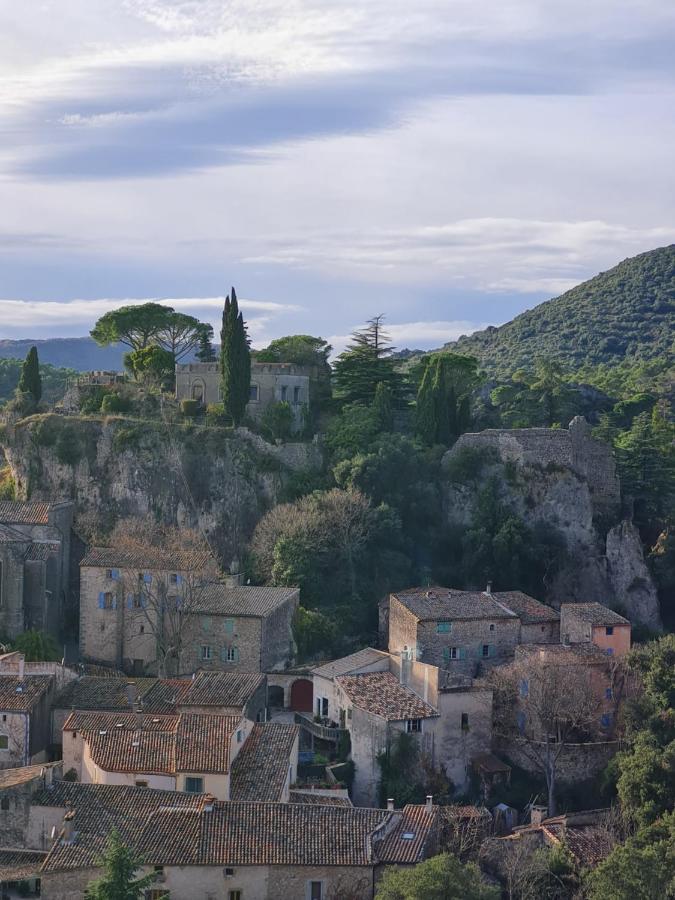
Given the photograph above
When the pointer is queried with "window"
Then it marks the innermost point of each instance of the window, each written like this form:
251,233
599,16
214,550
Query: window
609,651
524,688
486,650
254,393
109,600
228,872
608,693
4,803
492,626
296,395
284,393
173,578
205,651
234,895
229,626
413,725
4,742
229,654
315,890
137,602
240,736
193,785
4,717
443,627
609,630
141,630
206,623
322,707
606,720
141,784
465,721
450,653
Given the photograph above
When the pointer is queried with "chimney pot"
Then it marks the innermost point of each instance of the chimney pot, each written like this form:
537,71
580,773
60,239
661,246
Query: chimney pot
22,667
207,805
68,826
430,803
131,693
390,804
488,589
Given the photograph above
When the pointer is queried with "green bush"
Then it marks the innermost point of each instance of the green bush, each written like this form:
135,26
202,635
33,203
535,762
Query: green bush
92,398
277,421
467,464
115,403
189,408
127,438
7,486
216,416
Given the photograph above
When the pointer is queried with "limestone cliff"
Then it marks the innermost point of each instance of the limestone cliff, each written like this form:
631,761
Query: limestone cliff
215,479
565,479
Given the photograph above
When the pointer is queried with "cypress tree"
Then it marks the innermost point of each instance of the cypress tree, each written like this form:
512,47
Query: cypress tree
235,360
30,381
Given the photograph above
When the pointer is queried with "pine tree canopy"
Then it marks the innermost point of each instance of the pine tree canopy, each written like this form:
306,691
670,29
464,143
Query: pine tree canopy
366,363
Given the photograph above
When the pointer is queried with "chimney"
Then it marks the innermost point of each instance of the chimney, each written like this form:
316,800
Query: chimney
488,589
429,805
22,667
538,814
131,693
390,804
68,827
207,805
234,578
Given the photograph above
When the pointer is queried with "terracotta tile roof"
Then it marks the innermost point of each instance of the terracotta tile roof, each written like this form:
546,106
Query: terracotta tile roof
316,799
381,694
161,745
594,614
17,513
231,689
347,664
20,865
171,829
203,742
165,695
96,692
589,845
260,769
42,550
22,775
528,610
151,558
21,695
488,762
441,603
243,600
408,840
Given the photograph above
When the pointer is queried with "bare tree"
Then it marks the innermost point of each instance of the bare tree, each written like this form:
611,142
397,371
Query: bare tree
163,584
542,705
463,829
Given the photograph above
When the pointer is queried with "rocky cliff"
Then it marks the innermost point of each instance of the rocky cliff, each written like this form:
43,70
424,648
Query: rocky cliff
215,479
563,479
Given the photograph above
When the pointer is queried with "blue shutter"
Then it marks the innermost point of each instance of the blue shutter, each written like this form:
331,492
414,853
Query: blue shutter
179,579
101,600
608,693
606,720
462,653
446,654
520,719
179,602
130,601
114,602
115,573
147,578
524,688
223,654
144,601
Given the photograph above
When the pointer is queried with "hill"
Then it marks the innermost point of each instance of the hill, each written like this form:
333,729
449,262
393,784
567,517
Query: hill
80,353
627,312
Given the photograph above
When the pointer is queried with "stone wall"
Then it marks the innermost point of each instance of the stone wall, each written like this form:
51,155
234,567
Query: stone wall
278,645
576,763
212,631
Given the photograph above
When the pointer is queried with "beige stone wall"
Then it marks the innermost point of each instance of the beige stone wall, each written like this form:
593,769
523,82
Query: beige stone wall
67,885
16,726
278,646
544,633
212,631
402,627
73,752
41,821
454,745
501,635
101,630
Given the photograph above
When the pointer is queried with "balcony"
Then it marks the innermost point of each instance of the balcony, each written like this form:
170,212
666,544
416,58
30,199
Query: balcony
323,732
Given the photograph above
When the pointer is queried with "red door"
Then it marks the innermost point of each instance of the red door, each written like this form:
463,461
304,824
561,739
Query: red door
302,695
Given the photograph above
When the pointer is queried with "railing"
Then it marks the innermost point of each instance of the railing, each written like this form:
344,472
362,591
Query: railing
320,731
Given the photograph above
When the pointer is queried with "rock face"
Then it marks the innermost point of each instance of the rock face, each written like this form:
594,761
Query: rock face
567,480
213,479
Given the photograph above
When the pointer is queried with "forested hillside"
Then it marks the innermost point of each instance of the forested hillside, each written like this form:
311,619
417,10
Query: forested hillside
628,311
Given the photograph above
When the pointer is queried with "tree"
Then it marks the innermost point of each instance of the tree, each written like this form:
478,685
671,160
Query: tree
206,353
441,877
541,397
304,350
181,334
408,775
366,363
443,409
165,610
641,869
646,460
133,326
314,633
235,360
120,864
37,646
277,421
30,381
383,407
541,706
152,364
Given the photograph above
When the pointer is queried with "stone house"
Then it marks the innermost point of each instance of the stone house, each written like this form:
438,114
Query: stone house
465,631
593,623
270,383
34,565
17,787
130,602
203,848
325,697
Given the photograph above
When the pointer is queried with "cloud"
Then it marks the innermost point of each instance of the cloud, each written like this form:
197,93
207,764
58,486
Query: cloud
415,335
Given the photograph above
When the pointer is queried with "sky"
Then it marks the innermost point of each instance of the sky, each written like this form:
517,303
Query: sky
449,163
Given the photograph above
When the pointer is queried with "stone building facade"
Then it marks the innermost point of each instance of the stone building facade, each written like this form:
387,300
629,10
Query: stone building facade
270,383
593,623
35,541
126,603
465,632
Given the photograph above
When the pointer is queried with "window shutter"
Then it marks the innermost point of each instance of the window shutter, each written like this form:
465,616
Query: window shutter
462,653
144,601
130,601
114,602
179,579
101,600
446,654
223,654
115,574
236,653
147,578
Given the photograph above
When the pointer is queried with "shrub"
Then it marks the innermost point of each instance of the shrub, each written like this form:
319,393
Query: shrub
7,486
216,416
277,421
468,463
92,398
67,448
115,403
189,408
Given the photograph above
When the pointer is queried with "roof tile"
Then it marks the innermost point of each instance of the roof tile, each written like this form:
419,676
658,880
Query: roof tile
381,694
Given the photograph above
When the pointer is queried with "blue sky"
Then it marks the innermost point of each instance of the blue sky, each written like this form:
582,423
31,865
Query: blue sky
447,163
